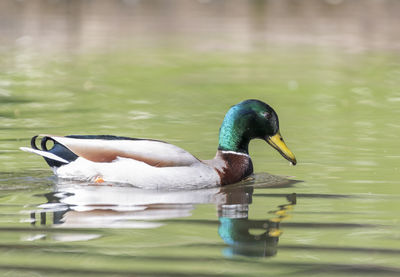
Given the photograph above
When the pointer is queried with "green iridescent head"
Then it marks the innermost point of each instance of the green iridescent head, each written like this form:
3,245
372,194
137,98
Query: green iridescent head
251,119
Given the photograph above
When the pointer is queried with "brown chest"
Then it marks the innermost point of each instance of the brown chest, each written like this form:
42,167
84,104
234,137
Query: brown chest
236,167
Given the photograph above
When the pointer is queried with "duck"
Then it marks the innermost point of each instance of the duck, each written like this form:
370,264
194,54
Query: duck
155,164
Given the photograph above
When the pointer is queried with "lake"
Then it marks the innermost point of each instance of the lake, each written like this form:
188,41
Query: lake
170,70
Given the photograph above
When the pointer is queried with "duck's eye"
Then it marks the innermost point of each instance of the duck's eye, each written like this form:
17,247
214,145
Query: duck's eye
266,115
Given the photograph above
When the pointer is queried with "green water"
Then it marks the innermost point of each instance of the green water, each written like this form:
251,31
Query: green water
339,113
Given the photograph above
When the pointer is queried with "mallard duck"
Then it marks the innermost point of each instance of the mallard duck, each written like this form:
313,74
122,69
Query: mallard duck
153,164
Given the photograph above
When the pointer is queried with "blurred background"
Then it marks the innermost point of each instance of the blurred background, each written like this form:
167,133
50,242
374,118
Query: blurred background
204,25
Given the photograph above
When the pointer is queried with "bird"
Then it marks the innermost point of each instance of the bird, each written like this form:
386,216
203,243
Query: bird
155,164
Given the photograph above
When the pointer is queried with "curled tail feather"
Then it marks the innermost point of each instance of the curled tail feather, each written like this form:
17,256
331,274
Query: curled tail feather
56,156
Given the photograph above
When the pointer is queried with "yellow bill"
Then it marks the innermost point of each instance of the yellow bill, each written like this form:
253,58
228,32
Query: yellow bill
276,141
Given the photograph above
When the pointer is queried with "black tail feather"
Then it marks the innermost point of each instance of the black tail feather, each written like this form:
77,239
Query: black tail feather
33,143
43,143
57,149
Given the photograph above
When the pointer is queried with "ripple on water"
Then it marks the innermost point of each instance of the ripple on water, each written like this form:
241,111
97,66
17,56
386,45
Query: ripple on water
139,115
364,163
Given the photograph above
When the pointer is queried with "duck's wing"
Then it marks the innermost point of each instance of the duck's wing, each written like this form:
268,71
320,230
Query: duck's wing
108,148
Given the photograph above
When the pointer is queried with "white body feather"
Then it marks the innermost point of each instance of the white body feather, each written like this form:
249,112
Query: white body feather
140,174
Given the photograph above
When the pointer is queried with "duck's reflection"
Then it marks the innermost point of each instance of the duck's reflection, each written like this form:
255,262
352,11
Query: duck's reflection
75,205
250,237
